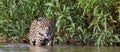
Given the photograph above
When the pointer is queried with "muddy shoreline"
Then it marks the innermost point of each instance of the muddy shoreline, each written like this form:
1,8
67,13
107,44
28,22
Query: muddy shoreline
68,42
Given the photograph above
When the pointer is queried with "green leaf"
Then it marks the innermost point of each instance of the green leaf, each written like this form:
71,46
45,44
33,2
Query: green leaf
99,40
49,4
117,38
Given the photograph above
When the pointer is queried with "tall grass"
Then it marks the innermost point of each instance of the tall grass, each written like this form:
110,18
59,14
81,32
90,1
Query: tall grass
81,20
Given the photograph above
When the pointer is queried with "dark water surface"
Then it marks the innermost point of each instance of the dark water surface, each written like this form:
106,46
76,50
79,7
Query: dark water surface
18,47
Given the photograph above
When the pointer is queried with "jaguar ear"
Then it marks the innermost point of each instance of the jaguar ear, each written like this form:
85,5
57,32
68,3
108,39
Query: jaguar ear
53,20
36,17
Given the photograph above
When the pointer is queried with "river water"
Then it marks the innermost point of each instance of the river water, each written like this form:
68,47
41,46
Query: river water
18,47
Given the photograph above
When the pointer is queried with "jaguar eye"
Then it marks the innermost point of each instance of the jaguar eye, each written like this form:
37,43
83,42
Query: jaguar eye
48,34
41,34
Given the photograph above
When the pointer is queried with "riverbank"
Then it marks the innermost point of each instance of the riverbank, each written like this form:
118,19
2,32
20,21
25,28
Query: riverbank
90,22
68,42
21,47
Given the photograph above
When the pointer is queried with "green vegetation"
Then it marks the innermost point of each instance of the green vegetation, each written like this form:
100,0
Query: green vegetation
86,21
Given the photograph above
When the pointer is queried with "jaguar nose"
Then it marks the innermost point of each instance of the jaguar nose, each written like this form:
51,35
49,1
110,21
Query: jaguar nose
42,41
47,38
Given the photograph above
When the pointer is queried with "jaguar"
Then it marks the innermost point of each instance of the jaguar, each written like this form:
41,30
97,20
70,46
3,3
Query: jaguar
42,31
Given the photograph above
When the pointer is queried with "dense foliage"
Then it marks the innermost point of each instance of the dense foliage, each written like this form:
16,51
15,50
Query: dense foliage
86,21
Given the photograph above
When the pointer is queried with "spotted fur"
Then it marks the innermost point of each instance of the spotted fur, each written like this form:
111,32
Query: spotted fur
42,31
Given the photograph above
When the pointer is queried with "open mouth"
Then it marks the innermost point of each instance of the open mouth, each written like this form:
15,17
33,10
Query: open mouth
43,42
